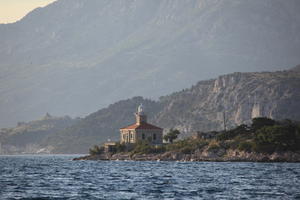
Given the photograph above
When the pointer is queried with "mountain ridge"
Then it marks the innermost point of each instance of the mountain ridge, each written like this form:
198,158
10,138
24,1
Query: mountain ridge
96,52
242,96
27,136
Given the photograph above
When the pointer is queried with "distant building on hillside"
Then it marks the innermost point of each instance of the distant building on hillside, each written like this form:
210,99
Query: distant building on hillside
141,130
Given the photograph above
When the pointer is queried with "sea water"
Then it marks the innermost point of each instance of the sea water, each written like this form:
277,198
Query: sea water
58,177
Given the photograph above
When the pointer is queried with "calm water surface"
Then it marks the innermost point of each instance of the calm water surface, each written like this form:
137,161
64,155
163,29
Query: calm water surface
57,177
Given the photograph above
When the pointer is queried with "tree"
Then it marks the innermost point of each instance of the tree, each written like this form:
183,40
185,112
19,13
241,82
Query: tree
279,137
230,134
96,150
120,147
171,135
260,122
142,147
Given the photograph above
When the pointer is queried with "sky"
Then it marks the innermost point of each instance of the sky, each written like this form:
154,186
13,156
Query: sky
13,10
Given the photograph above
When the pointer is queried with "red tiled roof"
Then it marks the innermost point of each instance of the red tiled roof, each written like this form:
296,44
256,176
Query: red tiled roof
142,126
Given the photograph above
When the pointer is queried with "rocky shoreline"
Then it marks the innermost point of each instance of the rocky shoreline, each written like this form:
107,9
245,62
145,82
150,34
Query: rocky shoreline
219,156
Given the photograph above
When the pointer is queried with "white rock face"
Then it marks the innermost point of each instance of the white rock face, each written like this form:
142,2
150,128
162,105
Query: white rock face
242,96
255,111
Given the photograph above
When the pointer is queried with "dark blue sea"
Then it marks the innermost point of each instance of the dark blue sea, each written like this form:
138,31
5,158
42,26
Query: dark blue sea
58,177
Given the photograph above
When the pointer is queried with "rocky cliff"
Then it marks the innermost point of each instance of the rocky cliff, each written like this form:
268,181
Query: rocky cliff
241,96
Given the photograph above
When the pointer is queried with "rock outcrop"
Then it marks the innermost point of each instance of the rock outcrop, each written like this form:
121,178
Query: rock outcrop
240,96
224,156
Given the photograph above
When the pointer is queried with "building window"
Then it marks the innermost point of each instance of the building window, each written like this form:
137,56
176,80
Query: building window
143,136
154,136
131,135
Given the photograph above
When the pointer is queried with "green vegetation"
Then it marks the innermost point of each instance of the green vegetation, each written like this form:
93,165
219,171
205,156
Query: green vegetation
245,146
145,148
213,147
120,147
186,146
96,150
277,138
171,135
263,135
241,130
260,122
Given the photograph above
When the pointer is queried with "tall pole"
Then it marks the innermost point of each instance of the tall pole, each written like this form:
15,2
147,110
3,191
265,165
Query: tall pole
224,121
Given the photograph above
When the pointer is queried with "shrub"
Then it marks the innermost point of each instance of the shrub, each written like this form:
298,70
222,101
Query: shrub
145,147
278,138
259,122
120,147
233,144
160,149
239,130
142,147
187,150
213,147
264,148
171,135
245,146
96,150
177,145
186,145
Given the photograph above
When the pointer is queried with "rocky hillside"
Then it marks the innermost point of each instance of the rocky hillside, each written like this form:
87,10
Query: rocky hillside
28,137
242,96
76,56
200,108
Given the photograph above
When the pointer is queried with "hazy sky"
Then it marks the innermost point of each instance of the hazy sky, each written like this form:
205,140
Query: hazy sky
13,10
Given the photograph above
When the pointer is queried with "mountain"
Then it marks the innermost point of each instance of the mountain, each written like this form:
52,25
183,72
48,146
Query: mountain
28,137
241,96
76,56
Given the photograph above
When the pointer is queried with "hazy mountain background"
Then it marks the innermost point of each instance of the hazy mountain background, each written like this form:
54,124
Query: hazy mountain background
27,137
76,56
242,96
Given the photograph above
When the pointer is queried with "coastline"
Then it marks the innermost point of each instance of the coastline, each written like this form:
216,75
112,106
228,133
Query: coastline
228,156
